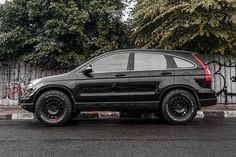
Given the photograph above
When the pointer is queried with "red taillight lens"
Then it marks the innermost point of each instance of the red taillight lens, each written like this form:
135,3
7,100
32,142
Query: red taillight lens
207,71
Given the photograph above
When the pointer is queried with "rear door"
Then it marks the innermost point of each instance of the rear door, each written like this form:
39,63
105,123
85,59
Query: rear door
150,74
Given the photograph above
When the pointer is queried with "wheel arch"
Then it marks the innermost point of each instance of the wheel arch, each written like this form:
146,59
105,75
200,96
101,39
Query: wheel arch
184,87
61,88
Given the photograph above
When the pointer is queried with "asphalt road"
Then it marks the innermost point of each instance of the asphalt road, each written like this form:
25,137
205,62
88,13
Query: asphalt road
124,138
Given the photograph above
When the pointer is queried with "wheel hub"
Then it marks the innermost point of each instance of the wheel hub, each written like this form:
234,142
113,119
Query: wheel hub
53,109
180,110
179,106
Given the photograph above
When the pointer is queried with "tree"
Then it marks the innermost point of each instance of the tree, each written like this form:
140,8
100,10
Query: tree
57,33
105,29
198,25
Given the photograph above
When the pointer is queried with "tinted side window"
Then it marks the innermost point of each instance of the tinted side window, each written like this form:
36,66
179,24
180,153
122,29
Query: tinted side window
183,63
149,61
112,63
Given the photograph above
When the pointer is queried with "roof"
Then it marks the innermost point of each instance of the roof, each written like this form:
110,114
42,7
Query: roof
157,50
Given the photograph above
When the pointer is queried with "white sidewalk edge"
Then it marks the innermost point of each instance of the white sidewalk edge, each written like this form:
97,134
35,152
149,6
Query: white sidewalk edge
20,116
229,114
200,114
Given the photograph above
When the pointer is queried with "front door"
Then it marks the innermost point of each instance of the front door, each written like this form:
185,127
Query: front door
107,86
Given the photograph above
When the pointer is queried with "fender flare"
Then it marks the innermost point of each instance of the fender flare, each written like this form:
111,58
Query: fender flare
180,86
54,87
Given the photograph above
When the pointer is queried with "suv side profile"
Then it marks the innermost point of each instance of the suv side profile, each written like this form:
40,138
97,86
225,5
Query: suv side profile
171,84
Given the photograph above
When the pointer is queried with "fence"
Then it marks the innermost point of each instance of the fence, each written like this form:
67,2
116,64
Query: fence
14,77
223,70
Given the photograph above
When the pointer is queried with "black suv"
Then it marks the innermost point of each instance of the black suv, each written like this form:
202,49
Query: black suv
171,84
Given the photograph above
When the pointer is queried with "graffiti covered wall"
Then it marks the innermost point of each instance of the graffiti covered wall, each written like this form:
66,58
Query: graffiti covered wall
223,70
14,77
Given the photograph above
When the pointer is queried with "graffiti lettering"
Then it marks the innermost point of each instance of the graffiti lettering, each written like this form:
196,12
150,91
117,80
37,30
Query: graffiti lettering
223,89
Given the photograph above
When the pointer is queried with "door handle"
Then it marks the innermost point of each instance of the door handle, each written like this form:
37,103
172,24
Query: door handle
120,75
166,73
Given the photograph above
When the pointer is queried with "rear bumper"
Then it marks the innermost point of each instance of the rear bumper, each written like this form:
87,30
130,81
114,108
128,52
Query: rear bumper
208,102
207,97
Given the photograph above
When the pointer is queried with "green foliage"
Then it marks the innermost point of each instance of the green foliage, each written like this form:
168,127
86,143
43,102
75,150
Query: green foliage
105,29
197,25
56,33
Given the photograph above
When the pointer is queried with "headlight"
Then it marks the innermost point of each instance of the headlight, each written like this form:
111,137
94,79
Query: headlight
33,83
30,86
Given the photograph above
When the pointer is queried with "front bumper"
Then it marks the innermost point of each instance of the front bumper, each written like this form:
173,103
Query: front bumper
28,107
26,100
27,104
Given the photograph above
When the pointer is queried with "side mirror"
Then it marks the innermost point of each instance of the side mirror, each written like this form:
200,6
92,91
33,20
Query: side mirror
87,70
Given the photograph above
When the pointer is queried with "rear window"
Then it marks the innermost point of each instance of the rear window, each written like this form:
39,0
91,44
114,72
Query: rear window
149,61
181,63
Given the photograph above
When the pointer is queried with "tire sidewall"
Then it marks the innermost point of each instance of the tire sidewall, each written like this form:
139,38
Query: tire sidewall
65,101
168,116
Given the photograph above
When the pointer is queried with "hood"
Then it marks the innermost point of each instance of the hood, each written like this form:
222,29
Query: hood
54,78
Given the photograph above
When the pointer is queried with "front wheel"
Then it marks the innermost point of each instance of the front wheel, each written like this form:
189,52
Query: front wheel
179,107
53,108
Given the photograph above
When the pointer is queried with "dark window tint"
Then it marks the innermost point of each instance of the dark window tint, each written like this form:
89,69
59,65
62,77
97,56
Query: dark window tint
183,63
149,61
112,63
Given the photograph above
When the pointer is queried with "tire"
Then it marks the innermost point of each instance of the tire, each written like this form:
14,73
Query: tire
179,107
53,108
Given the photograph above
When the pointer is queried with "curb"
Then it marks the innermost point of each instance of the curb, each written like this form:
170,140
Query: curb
6,117
216,114
104,115
24,116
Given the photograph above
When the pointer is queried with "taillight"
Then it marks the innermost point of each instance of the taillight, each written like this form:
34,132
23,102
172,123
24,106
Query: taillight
207,71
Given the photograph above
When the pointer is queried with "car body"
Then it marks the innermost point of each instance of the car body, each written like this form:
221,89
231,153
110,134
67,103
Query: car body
127,80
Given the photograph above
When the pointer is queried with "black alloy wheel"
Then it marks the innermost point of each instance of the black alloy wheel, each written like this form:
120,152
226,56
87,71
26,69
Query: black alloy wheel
179,107
53,108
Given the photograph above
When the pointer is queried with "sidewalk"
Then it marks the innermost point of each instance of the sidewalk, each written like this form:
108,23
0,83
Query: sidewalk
217,111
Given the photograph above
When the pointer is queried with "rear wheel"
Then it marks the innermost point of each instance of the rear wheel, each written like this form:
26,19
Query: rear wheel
53,108
179,107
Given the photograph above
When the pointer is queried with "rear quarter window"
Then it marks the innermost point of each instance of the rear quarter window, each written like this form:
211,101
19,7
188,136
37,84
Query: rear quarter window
181,63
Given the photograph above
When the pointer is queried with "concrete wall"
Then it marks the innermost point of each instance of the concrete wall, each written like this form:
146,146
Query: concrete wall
14,77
